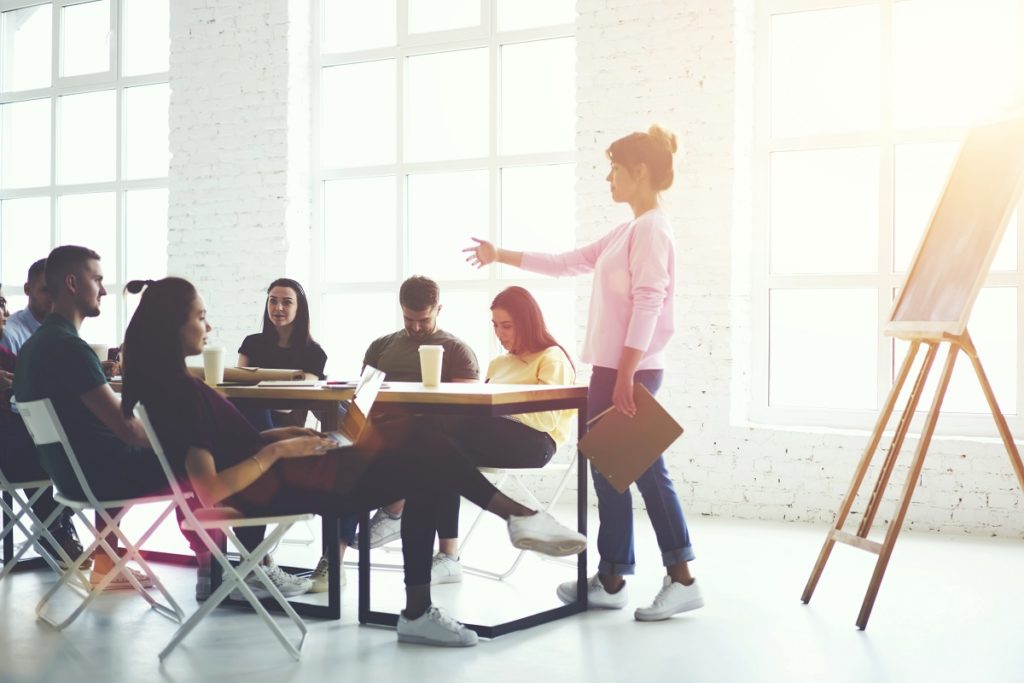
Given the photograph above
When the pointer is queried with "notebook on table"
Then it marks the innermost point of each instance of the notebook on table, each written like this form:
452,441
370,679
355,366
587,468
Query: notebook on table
621,448
355,420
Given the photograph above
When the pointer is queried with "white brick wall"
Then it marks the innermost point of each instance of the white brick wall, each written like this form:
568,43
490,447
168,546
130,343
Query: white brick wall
240,184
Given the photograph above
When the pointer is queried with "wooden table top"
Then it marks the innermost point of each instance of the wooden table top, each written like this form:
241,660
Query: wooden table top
450,393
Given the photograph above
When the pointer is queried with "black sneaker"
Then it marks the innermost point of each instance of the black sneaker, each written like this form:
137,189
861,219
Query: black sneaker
67,538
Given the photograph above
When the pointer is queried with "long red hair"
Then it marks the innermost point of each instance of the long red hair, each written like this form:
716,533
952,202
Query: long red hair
532,333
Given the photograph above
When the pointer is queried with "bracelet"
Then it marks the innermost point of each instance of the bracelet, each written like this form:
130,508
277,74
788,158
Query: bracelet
258,463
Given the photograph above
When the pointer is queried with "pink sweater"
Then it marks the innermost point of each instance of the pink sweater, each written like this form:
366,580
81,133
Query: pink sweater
634,283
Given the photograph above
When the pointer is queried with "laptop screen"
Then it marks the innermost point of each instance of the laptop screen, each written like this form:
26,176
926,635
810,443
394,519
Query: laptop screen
367,389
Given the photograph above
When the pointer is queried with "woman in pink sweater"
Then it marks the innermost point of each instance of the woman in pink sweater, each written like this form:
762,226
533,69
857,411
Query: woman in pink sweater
629,326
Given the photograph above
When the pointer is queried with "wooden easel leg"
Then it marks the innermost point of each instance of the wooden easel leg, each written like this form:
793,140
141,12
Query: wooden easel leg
885,552
897,442
1004,429
858,476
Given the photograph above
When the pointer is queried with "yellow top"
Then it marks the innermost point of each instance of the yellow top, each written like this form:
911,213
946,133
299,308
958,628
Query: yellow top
550,366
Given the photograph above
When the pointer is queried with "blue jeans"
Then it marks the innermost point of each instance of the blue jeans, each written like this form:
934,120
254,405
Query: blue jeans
615,510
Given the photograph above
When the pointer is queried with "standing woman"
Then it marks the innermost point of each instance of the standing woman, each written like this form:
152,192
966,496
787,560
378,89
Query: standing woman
284,343
628,328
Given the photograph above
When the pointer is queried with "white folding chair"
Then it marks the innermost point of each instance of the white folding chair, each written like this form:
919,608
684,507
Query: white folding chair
37,530
45,428
201,521
514,476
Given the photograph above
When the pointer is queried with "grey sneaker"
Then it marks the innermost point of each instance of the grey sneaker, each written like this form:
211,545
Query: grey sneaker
543,533
384,528
445,569
288,584
434,627
673,598
597,596
320,577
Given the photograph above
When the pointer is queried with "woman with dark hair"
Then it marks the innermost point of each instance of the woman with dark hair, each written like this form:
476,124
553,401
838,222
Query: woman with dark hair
629,327
294,470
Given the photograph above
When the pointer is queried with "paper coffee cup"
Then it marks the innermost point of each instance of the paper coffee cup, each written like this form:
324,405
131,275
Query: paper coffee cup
100,350
213,365
430,364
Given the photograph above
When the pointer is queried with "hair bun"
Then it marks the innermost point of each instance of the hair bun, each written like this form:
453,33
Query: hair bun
664,137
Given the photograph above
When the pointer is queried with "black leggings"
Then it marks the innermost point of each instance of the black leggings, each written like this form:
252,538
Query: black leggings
403,458
492,442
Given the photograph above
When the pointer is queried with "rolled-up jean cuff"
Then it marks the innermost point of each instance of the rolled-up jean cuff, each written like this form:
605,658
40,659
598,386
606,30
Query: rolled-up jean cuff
612,569
672,557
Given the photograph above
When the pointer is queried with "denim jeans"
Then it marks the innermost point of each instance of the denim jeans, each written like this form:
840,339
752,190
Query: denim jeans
615,510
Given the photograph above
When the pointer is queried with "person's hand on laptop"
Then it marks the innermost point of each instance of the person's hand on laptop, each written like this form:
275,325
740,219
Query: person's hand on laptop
303,447
281,433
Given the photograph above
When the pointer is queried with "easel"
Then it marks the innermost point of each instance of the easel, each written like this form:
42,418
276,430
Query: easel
932,309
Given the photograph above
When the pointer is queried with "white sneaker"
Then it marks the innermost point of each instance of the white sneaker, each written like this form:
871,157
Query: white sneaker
383,529
445,569
673,598
543,533
434,627
597,596
288,584
120,582
319,577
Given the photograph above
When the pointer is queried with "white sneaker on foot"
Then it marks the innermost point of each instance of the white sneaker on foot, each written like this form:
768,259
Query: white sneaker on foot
543,533
319,577
445,569
120,582
597,596
289,584
673,598
384,528
434,627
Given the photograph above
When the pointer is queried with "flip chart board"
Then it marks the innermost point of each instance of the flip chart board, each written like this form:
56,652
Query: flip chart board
955,253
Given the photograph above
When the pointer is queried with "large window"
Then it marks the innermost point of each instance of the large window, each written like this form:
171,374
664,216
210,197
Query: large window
861,108
84,141
437,122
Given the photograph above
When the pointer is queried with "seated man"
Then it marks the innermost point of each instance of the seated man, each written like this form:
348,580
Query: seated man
25,322
397,354
57,364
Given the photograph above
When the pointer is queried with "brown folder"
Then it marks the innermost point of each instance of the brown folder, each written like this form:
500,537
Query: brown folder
622,448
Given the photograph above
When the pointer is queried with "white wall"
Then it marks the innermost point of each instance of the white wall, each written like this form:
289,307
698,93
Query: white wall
240,203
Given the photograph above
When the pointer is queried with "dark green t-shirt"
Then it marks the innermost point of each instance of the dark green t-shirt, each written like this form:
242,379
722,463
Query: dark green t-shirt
398,355
57,364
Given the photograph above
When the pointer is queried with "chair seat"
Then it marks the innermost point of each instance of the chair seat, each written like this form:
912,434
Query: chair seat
224,517
106,504
41,483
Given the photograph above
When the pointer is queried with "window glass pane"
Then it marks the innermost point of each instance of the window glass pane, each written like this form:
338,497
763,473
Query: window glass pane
25,54
824,73
146,36
538,211
348,322
146,131
442,15
24,237
444,210
467,315
359,218
85,48
145,234
103,328
921,172
357,115
519,14
446,113
86,138
953,60
809,331
824,211
25,144
89,220
350,25
538,96
993,328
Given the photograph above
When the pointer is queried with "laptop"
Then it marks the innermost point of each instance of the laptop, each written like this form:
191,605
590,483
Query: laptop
357,417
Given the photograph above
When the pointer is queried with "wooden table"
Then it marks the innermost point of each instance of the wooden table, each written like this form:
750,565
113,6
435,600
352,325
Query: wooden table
471,399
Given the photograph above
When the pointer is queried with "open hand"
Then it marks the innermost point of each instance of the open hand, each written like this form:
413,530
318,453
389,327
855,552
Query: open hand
304,446
481,254
282,433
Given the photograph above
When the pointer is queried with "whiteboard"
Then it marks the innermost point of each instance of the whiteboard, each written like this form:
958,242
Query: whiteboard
955,253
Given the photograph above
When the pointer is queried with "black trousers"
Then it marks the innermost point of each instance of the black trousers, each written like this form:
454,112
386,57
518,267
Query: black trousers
19,462
406,458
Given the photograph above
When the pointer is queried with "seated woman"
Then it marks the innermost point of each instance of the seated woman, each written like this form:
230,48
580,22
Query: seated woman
514,441
227,461
284,343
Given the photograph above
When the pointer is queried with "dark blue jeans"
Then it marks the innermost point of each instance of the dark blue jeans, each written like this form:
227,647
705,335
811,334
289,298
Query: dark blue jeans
615,510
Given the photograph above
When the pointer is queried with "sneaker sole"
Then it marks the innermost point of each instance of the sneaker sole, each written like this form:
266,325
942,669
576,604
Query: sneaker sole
551,548
568,599
420,640
685,607
437,581
116,585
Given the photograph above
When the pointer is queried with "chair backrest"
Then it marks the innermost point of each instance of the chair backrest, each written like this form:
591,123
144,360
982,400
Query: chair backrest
45,428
